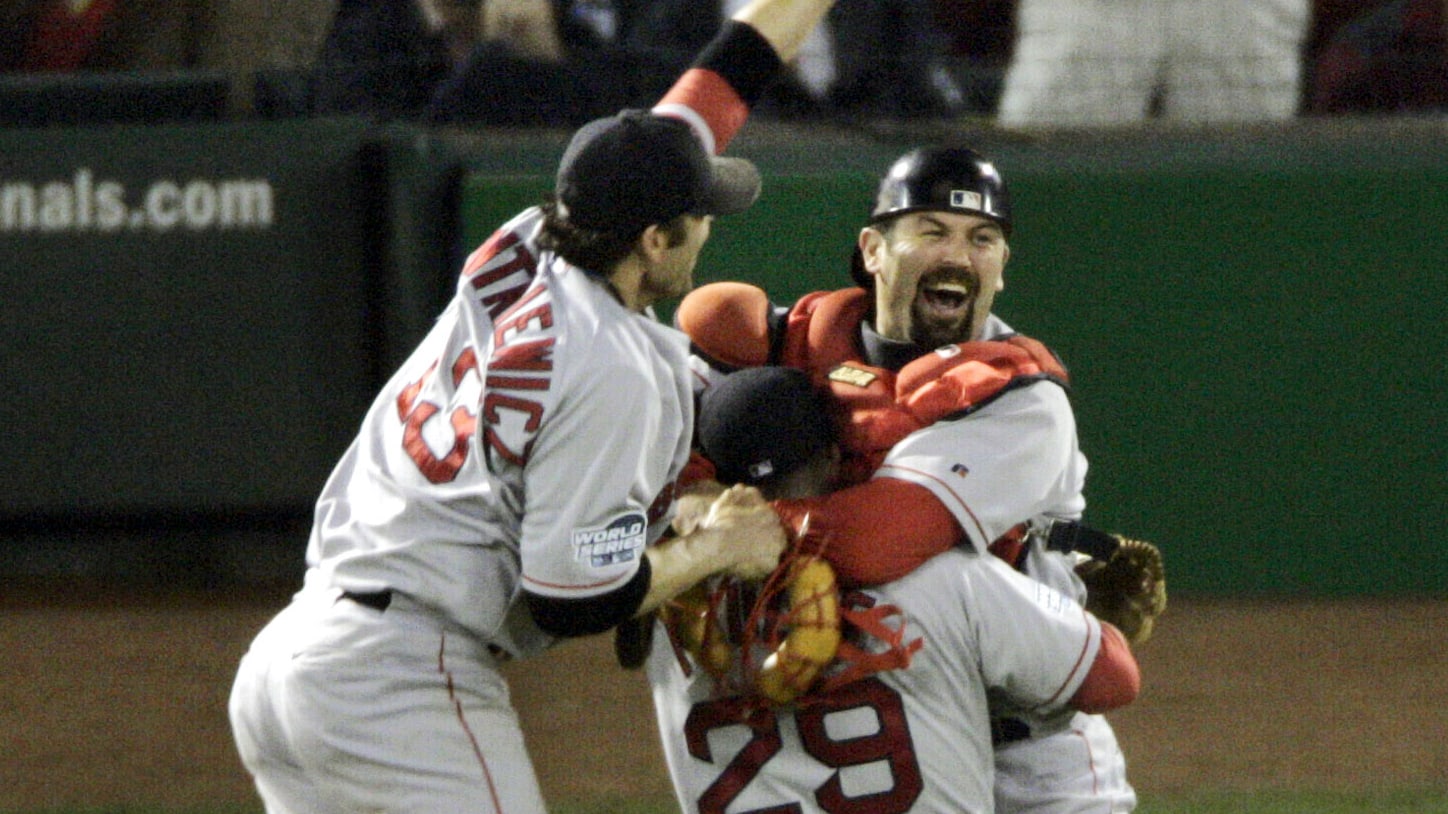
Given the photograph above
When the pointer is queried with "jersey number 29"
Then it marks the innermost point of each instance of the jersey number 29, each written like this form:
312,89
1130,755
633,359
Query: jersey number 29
890,742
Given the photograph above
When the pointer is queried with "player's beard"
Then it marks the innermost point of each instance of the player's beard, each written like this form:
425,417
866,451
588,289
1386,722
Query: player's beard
931,325
667,284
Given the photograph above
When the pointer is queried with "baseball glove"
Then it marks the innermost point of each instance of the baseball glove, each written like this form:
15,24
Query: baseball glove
1128,589
814,633
783,636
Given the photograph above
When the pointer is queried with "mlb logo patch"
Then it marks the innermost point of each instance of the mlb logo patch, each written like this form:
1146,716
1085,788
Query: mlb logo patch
965,199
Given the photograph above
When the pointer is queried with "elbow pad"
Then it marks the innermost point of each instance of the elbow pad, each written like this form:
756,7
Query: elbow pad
570,618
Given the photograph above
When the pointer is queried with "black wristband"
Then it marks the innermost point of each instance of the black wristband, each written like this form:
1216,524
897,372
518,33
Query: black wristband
744,58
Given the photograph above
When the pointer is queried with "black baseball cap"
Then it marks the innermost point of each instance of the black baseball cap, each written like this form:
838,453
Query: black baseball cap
762,421
625,172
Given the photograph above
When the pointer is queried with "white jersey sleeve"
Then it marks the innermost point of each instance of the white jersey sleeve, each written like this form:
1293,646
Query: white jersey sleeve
1036,643
1014,459
598,463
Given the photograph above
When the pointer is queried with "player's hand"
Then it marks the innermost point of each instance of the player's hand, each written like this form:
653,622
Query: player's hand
693,504
756,538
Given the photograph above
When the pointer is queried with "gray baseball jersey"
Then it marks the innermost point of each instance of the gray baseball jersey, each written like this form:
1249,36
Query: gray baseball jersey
466,482
477,437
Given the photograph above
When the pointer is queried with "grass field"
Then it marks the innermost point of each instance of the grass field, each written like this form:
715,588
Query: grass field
1265,802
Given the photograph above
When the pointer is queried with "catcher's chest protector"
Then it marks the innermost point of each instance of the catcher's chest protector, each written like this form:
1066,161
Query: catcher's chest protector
877,407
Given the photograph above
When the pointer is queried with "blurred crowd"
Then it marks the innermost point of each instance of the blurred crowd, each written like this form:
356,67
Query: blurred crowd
1025,63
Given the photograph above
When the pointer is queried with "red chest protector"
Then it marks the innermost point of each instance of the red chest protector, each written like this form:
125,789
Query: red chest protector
879,407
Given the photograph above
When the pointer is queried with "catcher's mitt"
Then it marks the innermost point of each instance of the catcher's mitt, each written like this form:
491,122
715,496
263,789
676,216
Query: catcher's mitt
814,633
1128,589
791,633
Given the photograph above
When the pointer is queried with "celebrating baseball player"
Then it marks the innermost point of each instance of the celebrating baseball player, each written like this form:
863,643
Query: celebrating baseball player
508,484
914,738
955,430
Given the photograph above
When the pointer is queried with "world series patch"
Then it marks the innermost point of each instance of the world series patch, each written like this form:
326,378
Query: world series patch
615,542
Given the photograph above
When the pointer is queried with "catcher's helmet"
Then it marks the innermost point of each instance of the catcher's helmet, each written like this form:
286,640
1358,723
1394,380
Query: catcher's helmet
947,179
944,179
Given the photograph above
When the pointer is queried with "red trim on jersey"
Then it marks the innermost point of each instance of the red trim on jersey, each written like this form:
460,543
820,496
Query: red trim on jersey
588,587
1075,668
461,713
945,487
713,98
872,533
1114,679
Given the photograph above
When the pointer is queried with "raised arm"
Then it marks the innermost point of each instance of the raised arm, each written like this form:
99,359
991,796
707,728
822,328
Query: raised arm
783,24
717,92
741,536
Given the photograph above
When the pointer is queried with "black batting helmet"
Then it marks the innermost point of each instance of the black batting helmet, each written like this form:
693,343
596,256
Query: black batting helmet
946,179
942,179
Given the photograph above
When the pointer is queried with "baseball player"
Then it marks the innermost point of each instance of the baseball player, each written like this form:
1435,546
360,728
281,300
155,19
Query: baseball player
508,484
916,738
955,429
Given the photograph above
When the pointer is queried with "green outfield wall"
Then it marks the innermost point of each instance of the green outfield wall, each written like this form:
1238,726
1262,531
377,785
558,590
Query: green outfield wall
1254,328
193,319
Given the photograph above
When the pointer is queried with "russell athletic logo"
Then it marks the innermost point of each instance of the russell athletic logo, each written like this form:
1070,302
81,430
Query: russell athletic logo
618,541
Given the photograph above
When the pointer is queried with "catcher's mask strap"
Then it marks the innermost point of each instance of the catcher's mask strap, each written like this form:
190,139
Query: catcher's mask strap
1072,535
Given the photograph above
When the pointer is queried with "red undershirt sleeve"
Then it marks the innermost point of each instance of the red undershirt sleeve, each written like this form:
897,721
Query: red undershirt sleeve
1114,679
872,533
724,82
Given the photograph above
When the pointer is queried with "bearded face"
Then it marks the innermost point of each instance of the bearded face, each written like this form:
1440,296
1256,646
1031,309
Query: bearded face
936,275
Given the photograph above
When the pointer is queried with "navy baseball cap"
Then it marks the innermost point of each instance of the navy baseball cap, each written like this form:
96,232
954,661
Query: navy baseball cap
622,173
762,421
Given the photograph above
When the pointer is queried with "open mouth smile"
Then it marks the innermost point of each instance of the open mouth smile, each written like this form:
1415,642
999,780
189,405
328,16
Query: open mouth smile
948,297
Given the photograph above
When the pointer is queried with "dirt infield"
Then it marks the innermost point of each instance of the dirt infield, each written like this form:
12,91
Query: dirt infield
123,702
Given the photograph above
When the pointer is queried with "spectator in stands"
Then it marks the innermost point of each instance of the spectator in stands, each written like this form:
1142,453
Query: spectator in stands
515,62
893,60
55,36
506,62
564,62
1391,59
176,40
14,28
981,34
1107,62
381,58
